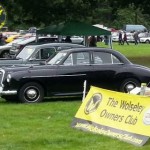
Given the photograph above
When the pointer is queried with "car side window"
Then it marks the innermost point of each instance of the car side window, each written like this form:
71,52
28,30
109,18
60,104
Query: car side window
105,58
47,52
44,53
115,60
97,58
80,58
69,60
45,40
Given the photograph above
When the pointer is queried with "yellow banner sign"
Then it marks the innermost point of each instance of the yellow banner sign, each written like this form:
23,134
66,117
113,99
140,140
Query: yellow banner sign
121,115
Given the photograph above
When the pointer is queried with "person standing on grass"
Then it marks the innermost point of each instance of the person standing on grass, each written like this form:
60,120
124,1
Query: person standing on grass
68,39
136,38
106,40
92,41
120,38
125,39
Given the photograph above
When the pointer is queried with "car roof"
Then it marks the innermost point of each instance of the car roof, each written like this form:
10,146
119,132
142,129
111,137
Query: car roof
90,49
30,39
107,50
55,44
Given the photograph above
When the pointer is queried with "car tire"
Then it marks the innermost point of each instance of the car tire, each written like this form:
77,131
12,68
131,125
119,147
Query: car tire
129,84
147,41
31,92
5,54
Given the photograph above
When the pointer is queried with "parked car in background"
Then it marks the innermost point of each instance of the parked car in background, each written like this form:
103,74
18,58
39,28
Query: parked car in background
17,47
145,40
4,49
115,36
66,72
32,30
34,54
134,28
8,34
12,38
75,39
130,37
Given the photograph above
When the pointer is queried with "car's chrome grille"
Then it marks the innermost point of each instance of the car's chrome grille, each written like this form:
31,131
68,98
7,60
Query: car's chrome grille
1,76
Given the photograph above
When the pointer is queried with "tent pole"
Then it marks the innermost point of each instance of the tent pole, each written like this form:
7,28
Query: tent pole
110,42
59,38
36,38
86,43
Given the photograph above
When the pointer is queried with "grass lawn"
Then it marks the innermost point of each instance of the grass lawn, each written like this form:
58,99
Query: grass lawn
47,125
135,53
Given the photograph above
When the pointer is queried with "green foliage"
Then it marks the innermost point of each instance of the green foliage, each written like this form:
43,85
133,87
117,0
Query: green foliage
130,15
45,12
112,13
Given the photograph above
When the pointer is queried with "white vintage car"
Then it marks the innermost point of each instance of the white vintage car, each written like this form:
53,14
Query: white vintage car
115,37
145,39
75,39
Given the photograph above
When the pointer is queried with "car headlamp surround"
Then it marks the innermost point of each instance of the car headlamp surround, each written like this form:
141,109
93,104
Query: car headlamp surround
8,77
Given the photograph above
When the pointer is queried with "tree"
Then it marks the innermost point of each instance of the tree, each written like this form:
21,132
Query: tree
130,15
21,13
45,12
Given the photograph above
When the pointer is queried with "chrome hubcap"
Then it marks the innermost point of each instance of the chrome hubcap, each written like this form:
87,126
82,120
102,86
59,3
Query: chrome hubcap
31,93
129,87
6,55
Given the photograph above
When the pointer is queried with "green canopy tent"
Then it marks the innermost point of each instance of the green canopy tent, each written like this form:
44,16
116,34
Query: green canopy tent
73,28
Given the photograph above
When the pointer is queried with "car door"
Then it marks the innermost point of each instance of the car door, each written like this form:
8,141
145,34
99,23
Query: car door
106,66
42,54
72,73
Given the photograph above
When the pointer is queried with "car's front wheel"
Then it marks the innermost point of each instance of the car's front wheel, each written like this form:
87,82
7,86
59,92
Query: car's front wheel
147,41
31,93
5,54
129,84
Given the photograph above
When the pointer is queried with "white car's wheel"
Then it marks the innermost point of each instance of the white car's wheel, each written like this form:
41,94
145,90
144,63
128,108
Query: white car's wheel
5,54
147,41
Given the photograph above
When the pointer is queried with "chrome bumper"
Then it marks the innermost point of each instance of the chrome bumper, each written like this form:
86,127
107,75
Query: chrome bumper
13,92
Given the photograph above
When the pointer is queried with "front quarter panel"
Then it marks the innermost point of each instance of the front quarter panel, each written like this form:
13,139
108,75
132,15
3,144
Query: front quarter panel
19,78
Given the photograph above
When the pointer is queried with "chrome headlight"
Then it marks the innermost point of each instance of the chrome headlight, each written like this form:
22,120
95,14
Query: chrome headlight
8,77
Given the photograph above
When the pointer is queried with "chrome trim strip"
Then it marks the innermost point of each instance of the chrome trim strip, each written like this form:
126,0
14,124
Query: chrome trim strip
3,71
8,92
56,76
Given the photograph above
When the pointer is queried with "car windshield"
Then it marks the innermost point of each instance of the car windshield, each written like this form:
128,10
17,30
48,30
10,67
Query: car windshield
25,53
57,58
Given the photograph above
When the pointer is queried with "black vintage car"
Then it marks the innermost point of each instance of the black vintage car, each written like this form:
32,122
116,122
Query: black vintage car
34,54
65,74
